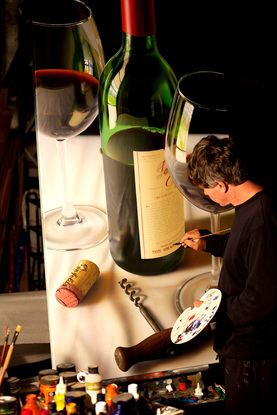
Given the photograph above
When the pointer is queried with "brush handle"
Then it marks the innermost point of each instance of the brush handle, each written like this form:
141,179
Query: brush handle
3,353
6,363
157,346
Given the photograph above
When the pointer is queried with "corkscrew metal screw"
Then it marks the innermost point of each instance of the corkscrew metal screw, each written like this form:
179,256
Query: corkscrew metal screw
136,300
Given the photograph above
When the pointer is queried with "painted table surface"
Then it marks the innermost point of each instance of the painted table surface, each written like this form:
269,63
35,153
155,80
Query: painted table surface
89,333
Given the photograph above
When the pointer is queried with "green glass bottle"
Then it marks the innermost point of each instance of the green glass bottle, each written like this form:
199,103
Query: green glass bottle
136,88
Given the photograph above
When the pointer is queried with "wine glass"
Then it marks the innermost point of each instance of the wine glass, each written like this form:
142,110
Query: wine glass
68,60
199,108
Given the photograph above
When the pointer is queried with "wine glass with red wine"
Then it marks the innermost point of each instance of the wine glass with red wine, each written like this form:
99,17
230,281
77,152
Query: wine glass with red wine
68,60
199,108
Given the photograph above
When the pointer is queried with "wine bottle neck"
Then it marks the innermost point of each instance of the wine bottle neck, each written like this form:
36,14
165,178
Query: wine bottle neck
139,44
138,26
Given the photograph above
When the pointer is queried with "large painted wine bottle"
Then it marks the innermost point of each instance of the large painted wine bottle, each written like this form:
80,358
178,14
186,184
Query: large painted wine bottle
145,209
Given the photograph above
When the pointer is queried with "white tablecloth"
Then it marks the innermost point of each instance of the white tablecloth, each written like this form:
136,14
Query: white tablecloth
106,318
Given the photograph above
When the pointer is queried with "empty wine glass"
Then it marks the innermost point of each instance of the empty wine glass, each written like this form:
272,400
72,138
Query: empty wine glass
199,108
68,60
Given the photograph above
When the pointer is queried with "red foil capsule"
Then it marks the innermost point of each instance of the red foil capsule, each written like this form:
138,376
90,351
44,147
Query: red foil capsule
138,17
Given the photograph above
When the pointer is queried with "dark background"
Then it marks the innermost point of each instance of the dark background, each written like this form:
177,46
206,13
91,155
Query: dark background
236,38
225,36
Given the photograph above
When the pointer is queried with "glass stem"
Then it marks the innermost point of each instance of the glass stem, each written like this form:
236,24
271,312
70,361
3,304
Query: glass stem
216,265
69,216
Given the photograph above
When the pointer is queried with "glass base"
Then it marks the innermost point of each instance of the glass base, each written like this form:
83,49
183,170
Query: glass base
90,231
191,290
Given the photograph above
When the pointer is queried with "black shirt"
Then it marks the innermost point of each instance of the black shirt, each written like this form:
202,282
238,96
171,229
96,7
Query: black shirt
247,318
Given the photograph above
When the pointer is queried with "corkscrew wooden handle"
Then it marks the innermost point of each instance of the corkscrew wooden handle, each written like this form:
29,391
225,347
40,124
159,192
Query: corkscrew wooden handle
156,346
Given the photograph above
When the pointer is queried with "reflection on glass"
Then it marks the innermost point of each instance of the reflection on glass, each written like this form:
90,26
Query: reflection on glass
68,61
199,108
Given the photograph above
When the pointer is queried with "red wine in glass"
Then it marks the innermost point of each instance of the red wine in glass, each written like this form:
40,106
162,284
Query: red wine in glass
67,61
66,102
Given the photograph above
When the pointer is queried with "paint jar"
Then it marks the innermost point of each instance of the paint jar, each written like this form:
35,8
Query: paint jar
111,392
77,386
183,383
71,408
80,398
32,404
74,288
93,383
127,400
48,386
66,367
46,372
8,405
12,387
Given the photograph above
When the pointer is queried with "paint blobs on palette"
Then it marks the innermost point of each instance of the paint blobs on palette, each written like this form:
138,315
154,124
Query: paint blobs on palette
192,321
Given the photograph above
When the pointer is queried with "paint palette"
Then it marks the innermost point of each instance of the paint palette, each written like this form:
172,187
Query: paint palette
192,321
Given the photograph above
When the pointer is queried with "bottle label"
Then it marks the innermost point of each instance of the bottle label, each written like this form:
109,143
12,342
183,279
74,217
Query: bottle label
160,205
90,386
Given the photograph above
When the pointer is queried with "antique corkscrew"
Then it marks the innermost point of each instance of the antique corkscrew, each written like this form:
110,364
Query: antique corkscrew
156,346
137,302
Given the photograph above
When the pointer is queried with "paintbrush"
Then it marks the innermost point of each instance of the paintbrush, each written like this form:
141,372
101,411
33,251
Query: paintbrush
205,236
9,354
4,346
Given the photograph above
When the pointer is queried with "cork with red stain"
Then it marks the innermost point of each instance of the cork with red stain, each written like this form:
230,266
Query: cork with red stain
80,280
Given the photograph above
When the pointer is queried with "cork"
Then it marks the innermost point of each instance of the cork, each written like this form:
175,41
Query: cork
80,280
